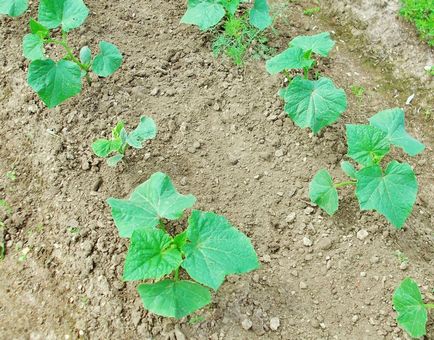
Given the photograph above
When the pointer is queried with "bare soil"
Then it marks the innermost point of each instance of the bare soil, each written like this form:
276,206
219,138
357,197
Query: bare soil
224,138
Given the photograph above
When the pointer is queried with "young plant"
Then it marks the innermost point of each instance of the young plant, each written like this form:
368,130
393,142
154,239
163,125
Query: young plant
208,250
421,14
412,311
146,130
309,103
13,8
239,32
391,191
56,81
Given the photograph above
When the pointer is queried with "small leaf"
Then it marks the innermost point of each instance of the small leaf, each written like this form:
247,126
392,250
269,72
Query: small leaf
14,8
37,28
231,5
392,194
348,168
260,15
367,145
145,130
216,249
320,43
174,299
323,192
291,58
33,47
107,61
116,132
151,201
408,303
85,55
69,14
103,147
54,82
392,123
114,160
150,255
180,239
314,104
203,13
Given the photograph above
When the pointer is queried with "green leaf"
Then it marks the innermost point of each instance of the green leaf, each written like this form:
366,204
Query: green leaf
174,299
314,104
216,249
150,255
151,201
180,239
367,145
203,13
348,168
145,130
260,15
14,8
69,14
392,194
116,132
392,122
320,43
103,147
291,58
37,28
322,192
54,82
33,47
231,5
107,61
114,160
85,55
408,303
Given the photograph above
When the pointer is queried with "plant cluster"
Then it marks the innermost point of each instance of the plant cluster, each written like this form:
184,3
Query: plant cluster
238,33
420,13
391,190
309,103
209,249
121,139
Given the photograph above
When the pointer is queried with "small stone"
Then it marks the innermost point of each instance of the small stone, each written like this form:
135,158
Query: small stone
274,324
196,145
362,234
303,285
247,324
266,258
374,259
155,91
315,324
363,274
85,164
307,242
324,244
403,265
233,159
216,107
290,218
355,318
278,153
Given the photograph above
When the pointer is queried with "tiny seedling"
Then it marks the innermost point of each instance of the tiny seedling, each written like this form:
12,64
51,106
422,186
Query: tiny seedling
311,11
209,249
146,130
309,103
402,258
358,91
57,81
4,205
391,191
411,309
239,32
421,14
13,8
11,175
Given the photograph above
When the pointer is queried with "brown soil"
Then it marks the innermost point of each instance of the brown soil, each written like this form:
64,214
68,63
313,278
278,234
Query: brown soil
253,165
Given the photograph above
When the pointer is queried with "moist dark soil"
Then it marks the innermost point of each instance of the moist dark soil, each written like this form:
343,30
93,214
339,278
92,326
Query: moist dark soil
223,136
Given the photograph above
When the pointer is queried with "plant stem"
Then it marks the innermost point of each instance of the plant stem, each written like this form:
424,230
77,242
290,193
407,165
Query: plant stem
429,305
343,184
176,274
306,73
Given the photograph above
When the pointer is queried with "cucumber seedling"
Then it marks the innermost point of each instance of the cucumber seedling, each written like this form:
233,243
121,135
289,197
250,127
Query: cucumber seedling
238,33
309,103
209,249
392,190
121,139
13,8
412,312
56,81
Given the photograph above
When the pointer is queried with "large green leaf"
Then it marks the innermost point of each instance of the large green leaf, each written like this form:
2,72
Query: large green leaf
320,43
145,130
392,194
291,58
408,303
33,47
174,299
54,82
216,249
392,122
14,8
314,103
260,15
204,13
107,61
322,192
69,14
151,201
367,145
151,255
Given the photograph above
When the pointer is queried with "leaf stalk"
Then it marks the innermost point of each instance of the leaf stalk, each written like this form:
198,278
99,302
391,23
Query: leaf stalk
343,184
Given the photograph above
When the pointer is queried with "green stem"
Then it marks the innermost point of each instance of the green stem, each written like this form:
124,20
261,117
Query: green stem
306,73
429,305
343,184
176,274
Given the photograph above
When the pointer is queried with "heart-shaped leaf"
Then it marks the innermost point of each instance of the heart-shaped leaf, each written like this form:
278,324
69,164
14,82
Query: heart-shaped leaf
69,14
203,13
320,43
145,130
33,47
260,15
107,61
322,192
291,58
14,8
